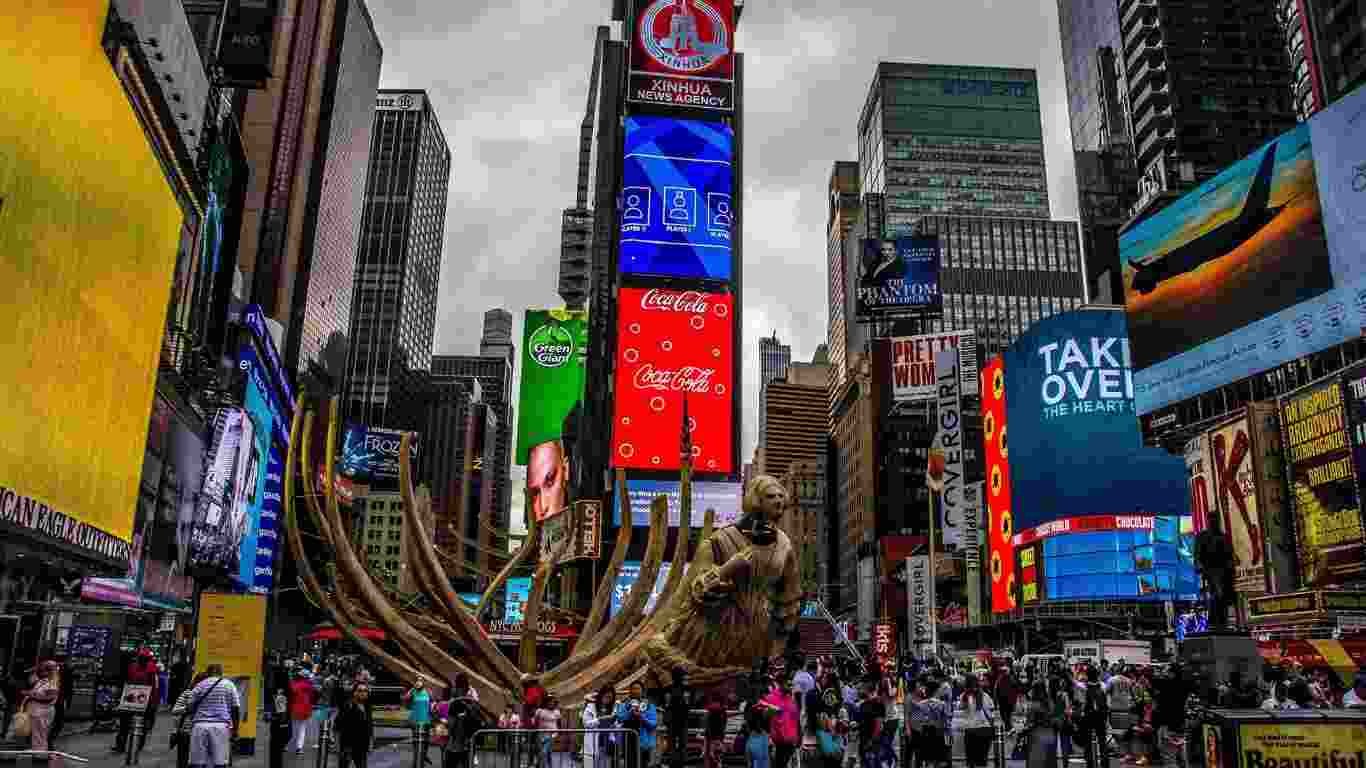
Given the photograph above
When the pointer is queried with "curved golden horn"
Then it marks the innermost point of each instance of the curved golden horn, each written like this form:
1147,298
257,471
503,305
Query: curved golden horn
423,558
528,548
307,578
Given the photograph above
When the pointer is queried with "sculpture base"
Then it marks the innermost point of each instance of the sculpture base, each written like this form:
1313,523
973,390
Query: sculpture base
1215,657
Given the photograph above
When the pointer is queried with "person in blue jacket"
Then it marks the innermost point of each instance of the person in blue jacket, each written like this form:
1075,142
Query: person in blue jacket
638,713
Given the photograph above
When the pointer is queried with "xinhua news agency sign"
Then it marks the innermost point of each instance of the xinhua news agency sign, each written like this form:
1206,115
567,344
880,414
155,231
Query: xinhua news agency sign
683,54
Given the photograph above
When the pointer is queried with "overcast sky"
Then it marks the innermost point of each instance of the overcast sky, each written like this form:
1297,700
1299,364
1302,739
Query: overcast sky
508,80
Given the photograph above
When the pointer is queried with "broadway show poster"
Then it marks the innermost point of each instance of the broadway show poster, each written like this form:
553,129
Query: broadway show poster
1248,499
1300,743
900,277
1323,485
1200,478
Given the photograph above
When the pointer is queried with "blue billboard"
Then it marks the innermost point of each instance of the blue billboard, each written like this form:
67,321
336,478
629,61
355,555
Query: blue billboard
518,592
900,276
1152,561
370,455
724,498
677,215
628,576
1258,266
1074,441
258,410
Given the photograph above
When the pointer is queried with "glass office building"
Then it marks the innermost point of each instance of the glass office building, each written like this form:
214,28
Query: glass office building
937,140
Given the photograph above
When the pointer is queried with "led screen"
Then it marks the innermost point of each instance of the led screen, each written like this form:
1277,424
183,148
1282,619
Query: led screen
673,344
1000,526
518,590
554,350
683,53
676,211
722,497
628,576
1074,441
370,455
1256,267
1110,556
89,231
244,538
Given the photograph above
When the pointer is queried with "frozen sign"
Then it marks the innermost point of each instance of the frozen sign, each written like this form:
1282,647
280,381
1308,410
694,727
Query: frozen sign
1086,375
673,345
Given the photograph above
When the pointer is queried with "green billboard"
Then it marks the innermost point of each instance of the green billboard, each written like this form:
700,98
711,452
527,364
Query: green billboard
554,351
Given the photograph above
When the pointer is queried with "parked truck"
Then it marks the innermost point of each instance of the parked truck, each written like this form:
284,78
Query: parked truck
1095,651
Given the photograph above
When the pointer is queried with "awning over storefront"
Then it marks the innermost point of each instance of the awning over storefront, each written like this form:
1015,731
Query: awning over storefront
329,632
1344,657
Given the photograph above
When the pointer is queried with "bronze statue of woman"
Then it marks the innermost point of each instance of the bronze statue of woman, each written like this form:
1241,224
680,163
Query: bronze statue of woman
741,607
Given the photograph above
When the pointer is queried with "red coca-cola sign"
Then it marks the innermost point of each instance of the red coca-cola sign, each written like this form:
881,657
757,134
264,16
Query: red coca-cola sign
673,344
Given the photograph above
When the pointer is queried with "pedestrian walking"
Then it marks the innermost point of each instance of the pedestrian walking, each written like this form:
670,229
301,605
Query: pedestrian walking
141,670
302,695
1043,720
278,701
975,717
419,701
785,722
40,703
757,743
214,709
1094,723
354,727
639,715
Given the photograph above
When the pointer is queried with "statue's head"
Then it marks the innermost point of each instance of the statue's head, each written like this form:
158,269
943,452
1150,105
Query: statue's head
765,498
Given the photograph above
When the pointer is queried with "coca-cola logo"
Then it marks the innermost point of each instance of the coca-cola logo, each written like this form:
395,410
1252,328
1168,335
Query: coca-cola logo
694,302
689,378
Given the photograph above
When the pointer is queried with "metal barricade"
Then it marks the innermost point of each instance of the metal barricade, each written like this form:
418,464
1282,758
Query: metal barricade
532,748
39,757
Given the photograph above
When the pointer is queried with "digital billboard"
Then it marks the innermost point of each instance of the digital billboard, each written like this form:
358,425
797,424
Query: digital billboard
517,592
1324,495
243,556
1246,471
221,513
913,377
1074,439
722,497
683,53
628,576
1000,525
370,455
899,276
172,473
1134,557
89,235
1256,267
554,351
673,344
677,214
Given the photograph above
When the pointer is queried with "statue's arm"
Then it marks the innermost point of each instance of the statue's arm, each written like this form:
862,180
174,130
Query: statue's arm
787,596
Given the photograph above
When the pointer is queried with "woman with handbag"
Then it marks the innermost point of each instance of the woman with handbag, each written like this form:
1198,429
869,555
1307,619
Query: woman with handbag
39,705
975,716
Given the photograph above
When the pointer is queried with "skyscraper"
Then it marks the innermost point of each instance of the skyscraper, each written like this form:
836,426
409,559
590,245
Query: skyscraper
937,139
496,341
576,223
1205,83
774,357
308,136
844,204
1326,43
393,311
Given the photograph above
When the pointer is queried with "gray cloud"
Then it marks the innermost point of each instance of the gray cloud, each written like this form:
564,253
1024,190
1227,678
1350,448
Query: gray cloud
508,81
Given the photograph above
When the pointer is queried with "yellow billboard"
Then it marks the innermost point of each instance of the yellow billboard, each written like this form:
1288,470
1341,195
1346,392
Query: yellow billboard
1300,743
89,230
232,632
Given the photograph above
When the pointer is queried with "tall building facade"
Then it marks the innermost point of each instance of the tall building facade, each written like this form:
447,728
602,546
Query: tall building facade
1205,84
796,415
843,208
1326,44
398,265
573,280
493,373
774,358
496,340
309,135
937,140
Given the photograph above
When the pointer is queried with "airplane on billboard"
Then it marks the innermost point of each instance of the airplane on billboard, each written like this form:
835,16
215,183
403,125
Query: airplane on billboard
1255,214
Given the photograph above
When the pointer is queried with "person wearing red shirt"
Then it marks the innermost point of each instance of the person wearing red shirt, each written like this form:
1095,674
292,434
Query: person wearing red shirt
302,696
142,670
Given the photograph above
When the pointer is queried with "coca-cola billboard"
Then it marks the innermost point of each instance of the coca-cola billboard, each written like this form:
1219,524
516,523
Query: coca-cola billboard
673,344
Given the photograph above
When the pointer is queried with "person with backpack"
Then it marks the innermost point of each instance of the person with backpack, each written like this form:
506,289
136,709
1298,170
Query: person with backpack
785,724
1093,729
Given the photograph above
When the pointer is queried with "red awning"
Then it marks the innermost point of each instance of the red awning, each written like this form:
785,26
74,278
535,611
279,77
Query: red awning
333,633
